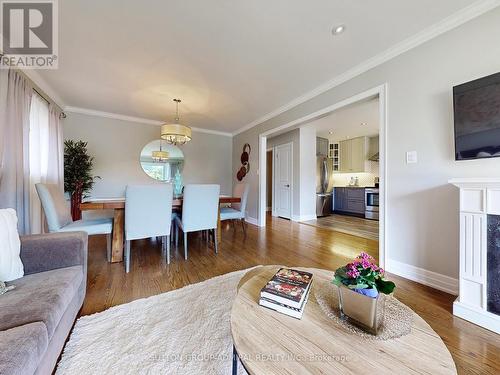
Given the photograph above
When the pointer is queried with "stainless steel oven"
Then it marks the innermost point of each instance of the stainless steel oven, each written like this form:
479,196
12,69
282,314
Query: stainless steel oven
371,204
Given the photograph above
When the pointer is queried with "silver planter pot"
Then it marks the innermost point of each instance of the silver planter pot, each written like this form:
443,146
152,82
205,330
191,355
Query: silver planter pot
363,311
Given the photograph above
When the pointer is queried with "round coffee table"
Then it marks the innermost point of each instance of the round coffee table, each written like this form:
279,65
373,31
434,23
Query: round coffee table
268,342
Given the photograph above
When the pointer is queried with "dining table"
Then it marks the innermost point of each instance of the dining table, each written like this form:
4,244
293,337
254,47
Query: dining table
118,207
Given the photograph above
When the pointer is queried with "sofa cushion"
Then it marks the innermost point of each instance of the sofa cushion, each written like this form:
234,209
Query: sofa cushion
11,267
22,347
40,297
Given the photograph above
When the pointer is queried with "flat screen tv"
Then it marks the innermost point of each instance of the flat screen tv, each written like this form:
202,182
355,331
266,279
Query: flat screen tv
477,118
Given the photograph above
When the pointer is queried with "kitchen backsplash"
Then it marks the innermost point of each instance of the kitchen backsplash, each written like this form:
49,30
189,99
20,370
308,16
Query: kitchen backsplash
365,179
342,179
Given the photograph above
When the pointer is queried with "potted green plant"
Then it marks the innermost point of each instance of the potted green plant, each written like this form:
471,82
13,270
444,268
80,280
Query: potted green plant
78,178
362,290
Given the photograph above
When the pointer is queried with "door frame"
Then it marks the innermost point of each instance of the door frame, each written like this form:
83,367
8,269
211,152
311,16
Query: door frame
273,209
271,150
382,92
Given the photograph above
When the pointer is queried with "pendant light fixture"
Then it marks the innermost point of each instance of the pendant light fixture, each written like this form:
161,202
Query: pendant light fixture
176,133
159,156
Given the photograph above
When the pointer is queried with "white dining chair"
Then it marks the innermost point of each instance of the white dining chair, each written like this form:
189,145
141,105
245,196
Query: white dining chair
148,213
200,207
237,210
58,215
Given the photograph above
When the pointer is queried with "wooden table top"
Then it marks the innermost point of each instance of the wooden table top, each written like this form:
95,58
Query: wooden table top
119,203
272,343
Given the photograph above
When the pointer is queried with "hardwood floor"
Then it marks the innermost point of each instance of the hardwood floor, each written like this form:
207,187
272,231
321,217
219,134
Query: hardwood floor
474,349
355,226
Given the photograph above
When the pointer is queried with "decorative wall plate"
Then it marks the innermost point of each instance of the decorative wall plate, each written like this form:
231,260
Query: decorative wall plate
245,157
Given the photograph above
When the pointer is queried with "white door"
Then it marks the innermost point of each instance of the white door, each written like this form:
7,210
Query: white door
283,180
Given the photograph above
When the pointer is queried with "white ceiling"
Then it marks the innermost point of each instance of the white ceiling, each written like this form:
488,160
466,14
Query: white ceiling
356,120
230,61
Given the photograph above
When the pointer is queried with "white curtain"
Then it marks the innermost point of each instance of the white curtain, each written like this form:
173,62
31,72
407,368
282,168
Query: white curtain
55,168
14,146
46,155
31,149
38,157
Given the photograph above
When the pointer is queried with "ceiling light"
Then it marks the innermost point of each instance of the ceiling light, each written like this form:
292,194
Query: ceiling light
159,156
176,133
338,29
364,123
330,133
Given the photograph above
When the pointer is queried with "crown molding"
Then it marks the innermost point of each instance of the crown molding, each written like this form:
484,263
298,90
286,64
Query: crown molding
210,131
459,18
44,86
117,116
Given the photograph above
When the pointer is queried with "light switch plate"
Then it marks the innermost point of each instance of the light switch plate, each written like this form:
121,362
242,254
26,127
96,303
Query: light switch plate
411,157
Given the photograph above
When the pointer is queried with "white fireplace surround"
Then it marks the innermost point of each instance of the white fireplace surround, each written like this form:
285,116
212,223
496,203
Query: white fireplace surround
479,197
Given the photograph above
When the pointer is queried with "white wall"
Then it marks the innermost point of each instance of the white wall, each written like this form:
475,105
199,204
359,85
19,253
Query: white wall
422,208
116,146
307,156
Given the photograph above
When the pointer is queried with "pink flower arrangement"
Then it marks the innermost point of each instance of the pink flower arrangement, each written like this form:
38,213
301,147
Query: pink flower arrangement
362,261
363,273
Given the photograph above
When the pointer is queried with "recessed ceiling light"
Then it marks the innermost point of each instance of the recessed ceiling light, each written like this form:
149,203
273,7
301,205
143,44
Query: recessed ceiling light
364,123
330,133
338,29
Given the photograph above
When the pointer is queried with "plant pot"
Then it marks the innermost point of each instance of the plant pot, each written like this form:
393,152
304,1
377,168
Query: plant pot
365,312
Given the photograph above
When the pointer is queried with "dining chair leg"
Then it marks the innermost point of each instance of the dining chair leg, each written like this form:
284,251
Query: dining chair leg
168,249
185,245
127,256
243,224
163,245
108,247
216,242
176,236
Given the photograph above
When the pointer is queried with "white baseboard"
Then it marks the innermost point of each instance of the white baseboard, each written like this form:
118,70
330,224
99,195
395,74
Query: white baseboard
303,217
252,220
434,280
477,316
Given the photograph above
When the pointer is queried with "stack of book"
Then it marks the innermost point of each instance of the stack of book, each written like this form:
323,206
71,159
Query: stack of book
287,292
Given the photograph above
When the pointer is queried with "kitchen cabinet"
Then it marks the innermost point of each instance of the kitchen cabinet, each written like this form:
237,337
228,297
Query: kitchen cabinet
340,198
349,200
354,155
333,153
322,147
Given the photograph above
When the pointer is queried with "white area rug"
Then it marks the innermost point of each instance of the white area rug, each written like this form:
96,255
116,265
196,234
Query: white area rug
186,331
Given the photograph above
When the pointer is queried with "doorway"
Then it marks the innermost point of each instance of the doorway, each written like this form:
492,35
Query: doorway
381,92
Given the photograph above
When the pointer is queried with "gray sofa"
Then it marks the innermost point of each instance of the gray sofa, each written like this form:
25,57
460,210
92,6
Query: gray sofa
37,316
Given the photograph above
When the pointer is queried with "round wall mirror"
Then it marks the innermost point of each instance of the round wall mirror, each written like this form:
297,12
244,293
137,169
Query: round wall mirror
161,166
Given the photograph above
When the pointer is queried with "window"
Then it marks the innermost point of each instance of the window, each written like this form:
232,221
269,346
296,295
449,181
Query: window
38,156
158,171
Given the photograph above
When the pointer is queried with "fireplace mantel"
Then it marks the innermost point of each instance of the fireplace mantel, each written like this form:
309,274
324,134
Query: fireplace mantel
479,211
485,182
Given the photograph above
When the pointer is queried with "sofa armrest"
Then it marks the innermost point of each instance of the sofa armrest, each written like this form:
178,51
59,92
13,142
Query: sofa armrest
45,252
